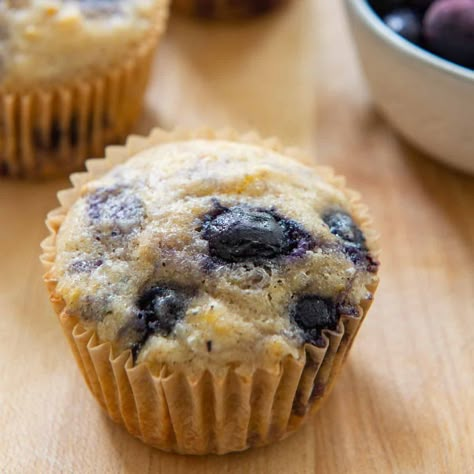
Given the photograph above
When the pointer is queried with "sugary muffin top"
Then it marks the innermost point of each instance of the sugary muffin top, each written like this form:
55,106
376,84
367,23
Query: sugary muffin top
207,253
49,41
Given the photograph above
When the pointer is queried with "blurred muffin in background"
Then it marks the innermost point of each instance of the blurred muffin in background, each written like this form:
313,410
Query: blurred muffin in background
225,9
72,78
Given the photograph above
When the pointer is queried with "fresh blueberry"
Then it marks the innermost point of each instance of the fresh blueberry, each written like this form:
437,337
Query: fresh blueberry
404,22
448,29
245,234
158,311
421,4
115,210
312,314
382,7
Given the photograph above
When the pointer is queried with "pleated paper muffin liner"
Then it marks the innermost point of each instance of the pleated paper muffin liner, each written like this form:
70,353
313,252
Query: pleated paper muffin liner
177,410
225,9
52,130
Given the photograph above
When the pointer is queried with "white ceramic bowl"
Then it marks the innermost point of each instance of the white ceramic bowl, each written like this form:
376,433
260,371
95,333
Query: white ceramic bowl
429,100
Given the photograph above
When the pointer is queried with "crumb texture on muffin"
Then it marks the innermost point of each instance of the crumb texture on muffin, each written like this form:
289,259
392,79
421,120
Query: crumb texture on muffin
52,41
207,253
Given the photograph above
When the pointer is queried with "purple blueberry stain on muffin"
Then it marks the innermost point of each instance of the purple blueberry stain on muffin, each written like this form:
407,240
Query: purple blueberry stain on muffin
95,307
100,8
84,265
242,234
115,211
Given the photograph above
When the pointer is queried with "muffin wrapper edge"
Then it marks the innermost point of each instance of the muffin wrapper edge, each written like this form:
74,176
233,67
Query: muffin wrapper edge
52,130
210,412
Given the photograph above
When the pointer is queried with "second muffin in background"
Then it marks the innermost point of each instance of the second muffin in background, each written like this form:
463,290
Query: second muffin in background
72,78
210,285
225,9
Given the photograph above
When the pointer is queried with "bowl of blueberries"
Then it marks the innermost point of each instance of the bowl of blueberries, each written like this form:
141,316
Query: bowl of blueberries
418,58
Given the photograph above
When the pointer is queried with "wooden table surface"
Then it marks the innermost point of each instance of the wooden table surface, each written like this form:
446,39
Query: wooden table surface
405,400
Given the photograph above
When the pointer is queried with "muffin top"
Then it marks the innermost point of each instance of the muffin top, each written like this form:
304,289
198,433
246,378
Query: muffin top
51,41
209,252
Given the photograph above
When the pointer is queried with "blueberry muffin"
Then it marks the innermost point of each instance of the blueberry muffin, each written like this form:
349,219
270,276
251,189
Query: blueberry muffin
72,78
225,9
200,267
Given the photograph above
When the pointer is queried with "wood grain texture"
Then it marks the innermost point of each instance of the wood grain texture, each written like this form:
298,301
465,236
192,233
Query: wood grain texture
405,400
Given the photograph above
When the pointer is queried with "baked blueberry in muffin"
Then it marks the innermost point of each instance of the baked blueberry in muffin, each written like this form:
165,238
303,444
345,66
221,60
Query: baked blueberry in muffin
242,234
205,253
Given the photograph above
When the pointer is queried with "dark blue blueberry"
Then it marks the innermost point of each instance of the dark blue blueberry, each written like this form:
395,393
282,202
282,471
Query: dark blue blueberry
245,234
382,7
340,223
448,29
404,22
242,234
421,4
158,311
312,314
162,308
115,210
